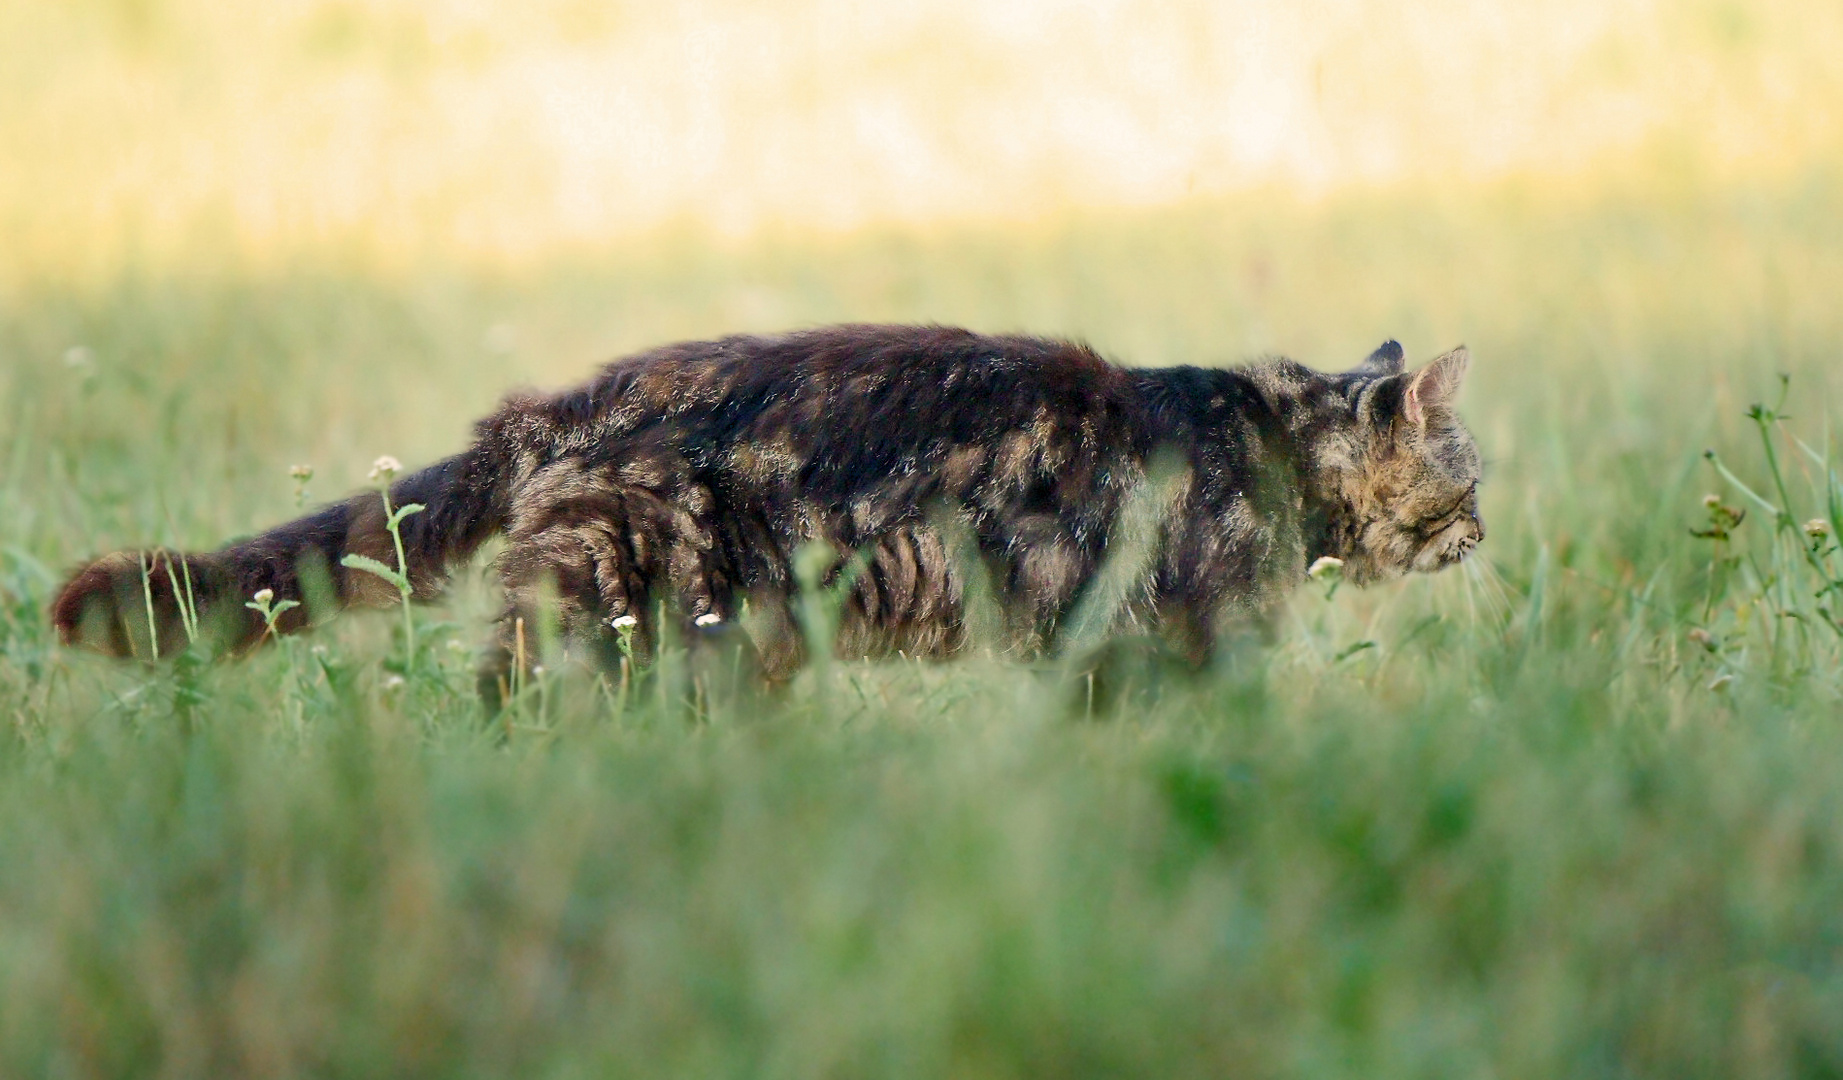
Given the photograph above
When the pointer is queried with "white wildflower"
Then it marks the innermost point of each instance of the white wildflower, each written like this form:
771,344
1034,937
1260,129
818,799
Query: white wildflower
1711,500
708,620
1325,566
395,682
385,468
1817,528
303,473
622,622
263,596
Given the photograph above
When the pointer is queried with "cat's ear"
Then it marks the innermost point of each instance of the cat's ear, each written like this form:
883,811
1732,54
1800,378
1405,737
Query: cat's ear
1386,360
1435,386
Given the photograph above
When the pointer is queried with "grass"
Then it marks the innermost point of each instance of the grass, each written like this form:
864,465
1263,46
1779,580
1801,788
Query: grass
1570,811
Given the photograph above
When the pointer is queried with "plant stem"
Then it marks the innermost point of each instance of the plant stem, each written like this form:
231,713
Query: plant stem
394,524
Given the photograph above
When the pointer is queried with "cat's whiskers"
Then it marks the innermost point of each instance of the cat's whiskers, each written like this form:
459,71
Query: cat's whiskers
1484,582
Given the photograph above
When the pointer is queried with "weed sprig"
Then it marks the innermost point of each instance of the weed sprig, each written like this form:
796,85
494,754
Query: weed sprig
382,472
1797,577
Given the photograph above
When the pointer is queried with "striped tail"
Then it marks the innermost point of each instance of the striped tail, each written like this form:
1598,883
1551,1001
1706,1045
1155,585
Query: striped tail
155,603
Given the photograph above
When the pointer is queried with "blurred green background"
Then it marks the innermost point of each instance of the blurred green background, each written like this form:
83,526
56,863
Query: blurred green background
1569,810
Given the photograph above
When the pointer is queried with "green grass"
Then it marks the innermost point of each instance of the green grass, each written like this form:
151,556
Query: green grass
1573,811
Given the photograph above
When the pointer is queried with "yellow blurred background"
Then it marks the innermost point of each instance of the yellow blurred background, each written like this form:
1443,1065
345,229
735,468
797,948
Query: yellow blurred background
151,131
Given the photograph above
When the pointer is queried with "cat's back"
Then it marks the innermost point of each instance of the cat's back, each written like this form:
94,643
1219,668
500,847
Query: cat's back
842,392
862,364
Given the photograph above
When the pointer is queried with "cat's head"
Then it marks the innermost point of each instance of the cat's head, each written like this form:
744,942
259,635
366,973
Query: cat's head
1408,479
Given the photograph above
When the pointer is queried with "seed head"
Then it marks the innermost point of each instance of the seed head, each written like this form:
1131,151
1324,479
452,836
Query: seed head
1325,566
1817,528
303,473
1702,637
1711,500
385,468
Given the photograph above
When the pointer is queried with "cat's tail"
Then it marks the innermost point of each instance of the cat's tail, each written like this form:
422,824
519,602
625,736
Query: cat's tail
154,603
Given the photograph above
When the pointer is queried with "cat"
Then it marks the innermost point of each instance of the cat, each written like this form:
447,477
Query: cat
681,483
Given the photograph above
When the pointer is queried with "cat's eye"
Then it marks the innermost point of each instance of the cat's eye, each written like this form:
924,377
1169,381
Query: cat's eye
1454,508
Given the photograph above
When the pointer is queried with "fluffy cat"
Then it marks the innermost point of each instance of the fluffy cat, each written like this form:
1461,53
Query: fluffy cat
683,480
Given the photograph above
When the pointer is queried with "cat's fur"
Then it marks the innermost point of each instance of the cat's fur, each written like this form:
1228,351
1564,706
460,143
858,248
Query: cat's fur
684,480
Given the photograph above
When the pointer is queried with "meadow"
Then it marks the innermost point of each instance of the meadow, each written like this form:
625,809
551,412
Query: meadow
1569,810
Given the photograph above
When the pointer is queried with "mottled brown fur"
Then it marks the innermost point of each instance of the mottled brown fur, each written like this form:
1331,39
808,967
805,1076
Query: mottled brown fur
685,479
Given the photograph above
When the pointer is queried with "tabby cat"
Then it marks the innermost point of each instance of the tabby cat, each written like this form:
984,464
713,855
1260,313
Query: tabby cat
683,481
